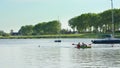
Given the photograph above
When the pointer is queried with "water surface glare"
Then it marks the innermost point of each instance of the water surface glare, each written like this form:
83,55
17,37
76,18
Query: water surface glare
45,53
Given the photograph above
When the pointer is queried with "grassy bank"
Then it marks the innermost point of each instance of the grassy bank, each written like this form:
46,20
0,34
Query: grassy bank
82,35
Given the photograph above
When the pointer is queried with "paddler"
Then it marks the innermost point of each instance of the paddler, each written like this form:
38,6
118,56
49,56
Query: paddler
84,45
78,45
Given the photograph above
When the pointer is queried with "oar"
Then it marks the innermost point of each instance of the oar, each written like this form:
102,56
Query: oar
77,44
74,44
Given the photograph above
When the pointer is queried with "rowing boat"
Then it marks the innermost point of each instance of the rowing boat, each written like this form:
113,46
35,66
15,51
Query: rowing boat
82,46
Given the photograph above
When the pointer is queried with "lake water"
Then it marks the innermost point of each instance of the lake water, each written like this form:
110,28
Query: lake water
45,53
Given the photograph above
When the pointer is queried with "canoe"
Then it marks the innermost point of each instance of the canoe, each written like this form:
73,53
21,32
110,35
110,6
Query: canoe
83,47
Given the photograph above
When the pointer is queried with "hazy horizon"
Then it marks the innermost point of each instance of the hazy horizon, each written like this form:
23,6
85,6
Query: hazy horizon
17,13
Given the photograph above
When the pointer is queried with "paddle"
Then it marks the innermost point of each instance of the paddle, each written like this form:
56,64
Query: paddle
74,44
77,44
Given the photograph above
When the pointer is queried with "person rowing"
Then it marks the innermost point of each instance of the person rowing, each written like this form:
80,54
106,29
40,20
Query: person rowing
83,45
78,45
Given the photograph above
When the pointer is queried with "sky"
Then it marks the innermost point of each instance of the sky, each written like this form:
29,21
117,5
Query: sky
17,13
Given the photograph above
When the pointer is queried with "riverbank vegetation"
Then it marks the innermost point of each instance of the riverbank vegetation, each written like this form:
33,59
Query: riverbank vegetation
82,35
85,35
88,25
96,22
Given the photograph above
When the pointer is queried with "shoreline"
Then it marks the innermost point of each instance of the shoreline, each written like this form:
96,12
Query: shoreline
82,35
50,36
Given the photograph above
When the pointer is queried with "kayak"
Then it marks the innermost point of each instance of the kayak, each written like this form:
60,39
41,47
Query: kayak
83,47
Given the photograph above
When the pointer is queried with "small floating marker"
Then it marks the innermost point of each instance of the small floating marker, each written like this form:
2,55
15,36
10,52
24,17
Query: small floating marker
38,45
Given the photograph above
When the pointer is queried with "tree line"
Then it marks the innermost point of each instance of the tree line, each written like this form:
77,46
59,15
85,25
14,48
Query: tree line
88,22
51,27
96,22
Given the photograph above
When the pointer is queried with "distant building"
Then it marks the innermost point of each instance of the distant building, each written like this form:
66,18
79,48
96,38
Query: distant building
14,33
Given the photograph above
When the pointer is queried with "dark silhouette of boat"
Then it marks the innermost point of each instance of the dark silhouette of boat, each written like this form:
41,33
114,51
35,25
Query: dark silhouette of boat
57,41
106,41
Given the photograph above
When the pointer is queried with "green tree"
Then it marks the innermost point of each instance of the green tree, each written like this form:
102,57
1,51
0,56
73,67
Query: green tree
39,28
85,22
101,22
106,20
26,30
1,33
73,23
53,27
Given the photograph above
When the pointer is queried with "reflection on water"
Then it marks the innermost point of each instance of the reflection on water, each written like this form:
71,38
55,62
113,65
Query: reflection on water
84,58
41,57
58,55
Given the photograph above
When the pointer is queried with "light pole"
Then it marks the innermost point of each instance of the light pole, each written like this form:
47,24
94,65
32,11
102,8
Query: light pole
113,28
